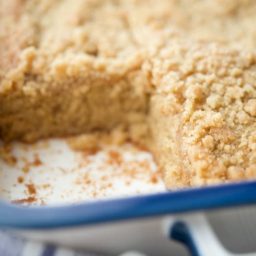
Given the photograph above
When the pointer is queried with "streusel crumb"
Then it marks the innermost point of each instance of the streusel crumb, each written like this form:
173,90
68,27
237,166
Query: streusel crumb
208,93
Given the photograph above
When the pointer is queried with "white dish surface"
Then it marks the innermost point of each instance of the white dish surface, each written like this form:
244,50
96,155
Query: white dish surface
50,172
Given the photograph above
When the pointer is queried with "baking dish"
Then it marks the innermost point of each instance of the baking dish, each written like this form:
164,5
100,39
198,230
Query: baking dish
114,224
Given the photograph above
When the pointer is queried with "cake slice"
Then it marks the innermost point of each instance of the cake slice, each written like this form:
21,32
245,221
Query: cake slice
203,113
67,68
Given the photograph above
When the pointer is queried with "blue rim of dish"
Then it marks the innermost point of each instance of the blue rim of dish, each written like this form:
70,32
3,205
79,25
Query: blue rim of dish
187,200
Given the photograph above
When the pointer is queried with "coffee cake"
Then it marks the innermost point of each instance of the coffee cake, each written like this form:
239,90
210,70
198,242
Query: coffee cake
180,73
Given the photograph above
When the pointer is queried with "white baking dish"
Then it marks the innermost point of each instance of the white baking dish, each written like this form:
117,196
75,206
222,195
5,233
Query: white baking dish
131,213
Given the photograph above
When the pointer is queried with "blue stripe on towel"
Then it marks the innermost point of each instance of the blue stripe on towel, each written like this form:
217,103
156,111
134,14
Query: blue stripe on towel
49,250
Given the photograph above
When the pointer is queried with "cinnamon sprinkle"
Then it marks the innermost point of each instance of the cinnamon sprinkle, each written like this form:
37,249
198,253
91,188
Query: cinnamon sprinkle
20,179
31,189
28,200
37,161
154,178
26,168
91,151
114,157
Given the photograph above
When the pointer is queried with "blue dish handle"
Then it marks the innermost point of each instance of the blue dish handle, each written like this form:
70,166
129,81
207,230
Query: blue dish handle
195,232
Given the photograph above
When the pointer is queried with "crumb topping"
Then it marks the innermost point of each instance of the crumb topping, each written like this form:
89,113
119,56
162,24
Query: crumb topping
213,92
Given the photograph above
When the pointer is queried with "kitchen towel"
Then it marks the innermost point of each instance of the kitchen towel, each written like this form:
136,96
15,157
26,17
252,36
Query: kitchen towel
11,245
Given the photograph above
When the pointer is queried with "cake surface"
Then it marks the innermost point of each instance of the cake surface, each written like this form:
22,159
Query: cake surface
203,113
181,73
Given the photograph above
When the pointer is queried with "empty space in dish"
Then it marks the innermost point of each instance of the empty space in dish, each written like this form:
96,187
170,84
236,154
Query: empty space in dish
51,172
